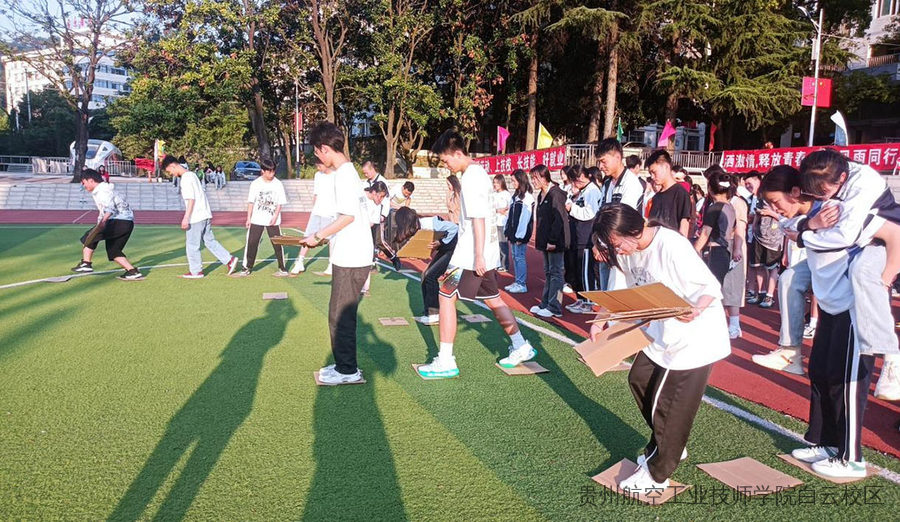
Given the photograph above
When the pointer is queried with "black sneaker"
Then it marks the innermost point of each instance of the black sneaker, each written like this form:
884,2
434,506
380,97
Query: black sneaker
396,262
132,275
83,266
243,273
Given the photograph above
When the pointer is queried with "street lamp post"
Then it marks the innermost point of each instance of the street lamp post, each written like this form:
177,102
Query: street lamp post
818,51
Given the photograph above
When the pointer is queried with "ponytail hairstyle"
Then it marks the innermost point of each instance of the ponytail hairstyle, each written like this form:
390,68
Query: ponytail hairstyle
782,178
722,183
619,219
406,222
821,167
572,172
594,174
523,184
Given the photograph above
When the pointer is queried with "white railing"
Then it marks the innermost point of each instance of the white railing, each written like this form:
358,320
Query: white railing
693,161
121,168
50,165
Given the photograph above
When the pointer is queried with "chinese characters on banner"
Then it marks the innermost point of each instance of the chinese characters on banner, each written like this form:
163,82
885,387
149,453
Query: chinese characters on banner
879,156
554,159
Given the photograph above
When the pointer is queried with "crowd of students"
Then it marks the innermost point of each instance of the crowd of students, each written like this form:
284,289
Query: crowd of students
828,228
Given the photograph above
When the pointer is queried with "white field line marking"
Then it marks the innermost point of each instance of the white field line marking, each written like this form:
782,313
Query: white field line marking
106,272
715,403
86,212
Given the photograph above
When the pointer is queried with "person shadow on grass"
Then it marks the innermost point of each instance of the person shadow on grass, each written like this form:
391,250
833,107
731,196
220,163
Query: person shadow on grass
355,476
208,420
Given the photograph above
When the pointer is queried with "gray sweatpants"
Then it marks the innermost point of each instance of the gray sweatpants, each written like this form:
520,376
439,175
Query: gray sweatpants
202,230
874,320
792,287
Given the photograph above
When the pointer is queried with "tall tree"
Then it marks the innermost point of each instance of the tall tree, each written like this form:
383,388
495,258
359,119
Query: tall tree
70,38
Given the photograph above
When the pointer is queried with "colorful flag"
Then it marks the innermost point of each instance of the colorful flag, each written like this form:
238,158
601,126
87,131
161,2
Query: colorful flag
620,132
668,132
502,136
545,140
840,129
712,136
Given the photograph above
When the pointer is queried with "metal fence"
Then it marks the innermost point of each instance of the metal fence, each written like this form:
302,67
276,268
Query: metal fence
692,161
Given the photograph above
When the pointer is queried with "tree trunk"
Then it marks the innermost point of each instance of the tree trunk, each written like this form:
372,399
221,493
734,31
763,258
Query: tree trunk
531,131
390,144
81,139
612,81
288,150
593,133
328,87
671,113
258,124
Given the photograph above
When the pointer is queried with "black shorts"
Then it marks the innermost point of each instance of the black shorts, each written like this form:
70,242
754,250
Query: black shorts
468,285
761,256
115,234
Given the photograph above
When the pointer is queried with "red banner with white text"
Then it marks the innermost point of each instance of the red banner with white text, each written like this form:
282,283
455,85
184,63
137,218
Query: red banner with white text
879,156
553,159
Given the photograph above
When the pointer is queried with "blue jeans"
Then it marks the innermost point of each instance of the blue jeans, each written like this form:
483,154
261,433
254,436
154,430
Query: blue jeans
553,281
519,263
202,230
792,287
873,320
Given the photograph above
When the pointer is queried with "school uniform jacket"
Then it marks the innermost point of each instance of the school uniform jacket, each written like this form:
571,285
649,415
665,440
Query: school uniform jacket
552,221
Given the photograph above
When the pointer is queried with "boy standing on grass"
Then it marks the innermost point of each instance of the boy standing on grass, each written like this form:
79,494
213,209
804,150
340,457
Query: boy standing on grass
116,221
474,263
264,213
197,221
351,249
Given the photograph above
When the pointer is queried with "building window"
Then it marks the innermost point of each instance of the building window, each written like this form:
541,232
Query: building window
887,7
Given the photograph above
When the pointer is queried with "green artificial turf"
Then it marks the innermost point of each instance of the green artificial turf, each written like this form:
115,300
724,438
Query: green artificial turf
168,399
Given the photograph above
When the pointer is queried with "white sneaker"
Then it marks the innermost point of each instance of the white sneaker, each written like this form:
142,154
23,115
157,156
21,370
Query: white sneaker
428,320
574,307
298,266
534,309
735,332
439,368
232,265
543,312
642,459
568,289
837,468
642,483
809,331
280,273
586,308
516,357
814,453
783,359
888,386
329,375
516,288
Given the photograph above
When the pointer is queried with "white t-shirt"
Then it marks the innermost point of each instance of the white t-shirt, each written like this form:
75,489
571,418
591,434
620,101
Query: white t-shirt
192,189
475,202
266,197
670,259
108,199
500,201
323,189
352,246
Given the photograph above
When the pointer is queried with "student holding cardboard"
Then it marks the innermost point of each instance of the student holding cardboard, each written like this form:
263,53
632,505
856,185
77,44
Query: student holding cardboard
669,376
474,262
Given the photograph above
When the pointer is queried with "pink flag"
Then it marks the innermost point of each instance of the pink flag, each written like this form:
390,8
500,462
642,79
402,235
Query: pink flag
502,135
668,132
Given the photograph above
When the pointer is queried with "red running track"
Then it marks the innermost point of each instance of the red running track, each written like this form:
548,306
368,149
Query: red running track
737,374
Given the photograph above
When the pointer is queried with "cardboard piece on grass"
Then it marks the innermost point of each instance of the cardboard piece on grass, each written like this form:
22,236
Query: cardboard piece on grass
624,469
417,246
526,368
287,240
750,477
475,318
393,321
320,383
807,467
416,369
59,279
613,345
623,366
655,301
274,295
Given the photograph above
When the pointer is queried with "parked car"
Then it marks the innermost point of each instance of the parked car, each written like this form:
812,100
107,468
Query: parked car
246,171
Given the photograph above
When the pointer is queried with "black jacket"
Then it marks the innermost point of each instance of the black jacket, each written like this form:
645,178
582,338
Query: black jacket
552,220
513,220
